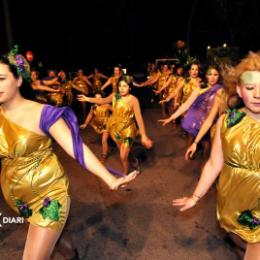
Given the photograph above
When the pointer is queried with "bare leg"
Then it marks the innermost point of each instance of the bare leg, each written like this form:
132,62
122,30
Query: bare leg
252,252
124,152
163,110
105,136
171,111
40,241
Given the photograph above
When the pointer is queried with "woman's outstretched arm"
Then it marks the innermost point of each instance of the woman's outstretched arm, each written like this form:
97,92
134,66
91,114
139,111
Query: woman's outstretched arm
62,134
209,174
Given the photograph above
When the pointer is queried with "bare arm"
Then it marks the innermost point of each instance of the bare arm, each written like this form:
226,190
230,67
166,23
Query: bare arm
204,128
103,76
88,118
61,133
51,82
184,107
209,174
166,84
107,83
100,101
209,120
139,119
42,87
151,81
79,89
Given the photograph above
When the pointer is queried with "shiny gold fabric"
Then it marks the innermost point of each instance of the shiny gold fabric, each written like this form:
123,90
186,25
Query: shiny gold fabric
56,98
31,172
100,118
187,89
162,79
114,84
121,125
67,86
239,182
171,88
81,84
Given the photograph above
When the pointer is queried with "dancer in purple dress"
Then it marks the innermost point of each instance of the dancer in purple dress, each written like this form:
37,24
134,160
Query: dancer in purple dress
198,105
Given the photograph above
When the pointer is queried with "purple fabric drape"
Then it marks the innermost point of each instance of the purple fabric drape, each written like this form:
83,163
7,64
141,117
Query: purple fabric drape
51,114
199,111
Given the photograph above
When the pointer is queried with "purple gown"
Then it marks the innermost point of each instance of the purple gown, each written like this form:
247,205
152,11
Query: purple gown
199,111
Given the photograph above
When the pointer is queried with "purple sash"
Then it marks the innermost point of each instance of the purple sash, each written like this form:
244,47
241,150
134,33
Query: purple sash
51,114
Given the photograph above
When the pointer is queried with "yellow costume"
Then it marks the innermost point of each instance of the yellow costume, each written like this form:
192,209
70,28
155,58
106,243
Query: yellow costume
80,83
162,79
67,86
121,124
114,84
188,87
238,208
171,88
97,82
56,98
33,181
100,118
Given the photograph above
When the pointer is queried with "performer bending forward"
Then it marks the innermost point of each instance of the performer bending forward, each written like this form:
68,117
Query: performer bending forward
121,125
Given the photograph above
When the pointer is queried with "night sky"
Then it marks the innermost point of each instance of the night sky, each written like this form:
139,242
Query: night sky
105,32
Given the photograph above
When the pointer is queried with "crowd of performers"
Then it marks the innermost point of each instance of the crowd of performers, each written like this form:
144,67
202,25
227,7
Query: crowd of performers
220,110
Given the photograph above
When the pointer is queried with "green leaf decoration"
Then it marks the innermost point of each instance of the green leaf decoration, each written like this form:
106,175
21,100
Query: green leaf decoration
51,209
234,117
23,208
246,218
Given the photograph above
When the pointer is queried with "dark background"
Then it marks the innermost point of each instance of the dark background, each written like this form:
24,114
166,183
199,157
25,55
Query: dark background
103,33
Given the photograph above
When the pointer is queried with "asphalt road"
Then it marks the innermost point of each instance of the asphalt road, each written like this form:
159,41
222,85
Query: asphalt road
137,222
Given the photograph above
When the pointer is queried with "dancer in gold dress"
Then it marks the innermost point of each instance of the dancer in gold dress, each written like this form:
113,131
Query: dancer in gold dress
113,80
235,158
33,181
98,118
121,125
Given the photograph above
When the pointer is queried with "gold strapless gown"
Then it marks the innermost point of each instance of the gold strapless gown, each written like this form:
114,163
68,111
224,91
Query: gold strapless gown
33,181
239,182
100,119
121,125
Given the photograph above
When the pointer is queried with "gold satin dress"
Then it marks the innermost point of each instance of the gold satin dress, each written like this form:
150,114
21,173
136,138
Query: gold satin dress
172,87
114,84
239,181
82,85
67,86
187,89
121,124
100,118
33,181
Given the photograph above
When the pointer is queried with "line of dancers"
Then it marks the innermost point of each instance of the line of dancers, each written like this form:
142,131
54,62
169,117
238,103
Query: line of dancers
227,102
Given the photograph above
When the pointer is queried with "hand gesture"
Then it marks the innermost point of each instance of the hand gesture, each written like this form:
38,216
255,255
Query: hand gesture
165,121
123,181
83,126
185,203
163,101
146,142
82,98
190,151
